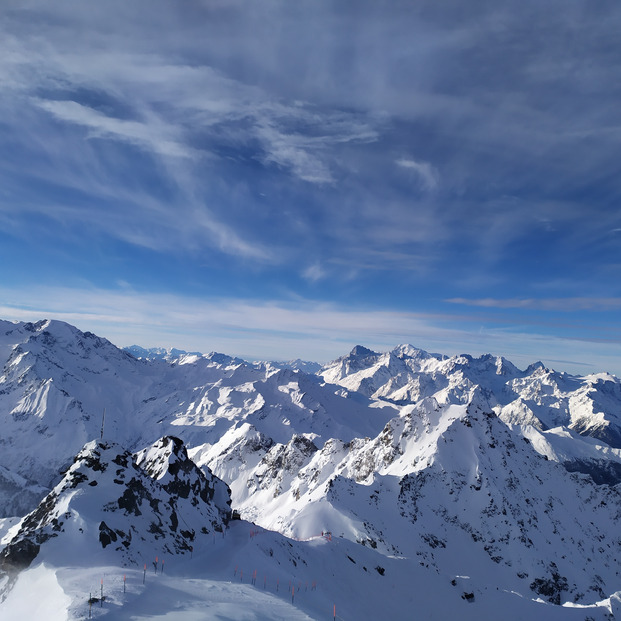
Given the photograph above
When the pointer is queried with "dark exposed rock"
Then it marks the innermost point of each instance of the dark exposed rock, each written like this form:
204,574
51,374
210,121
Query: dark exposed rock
106,535
130,500
603,472
18,555
147,507
551,587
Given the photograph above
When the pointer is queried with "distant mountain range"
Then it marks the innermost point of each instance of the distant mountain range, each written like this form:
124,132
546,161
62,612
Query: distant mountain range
173,354
440,467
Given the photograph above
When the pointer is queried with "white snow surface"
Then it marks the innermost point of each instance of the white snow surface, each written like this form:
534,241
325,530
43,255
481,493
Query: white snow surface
383,484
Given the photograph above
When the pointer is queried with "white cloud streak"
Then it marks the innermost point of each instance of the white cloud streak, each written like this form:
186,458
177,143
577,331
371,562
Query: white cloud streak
314,272
223,101
427,174
144,135
188,119
281,329
569,304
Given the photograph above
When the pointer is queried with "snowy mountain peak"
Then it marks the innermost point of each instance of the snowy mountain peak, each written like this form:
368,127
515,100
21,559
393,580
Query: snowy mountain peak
359,351
106,499
297,365
224,359
536,367
437,466
158,353
168,463
167,456
409,351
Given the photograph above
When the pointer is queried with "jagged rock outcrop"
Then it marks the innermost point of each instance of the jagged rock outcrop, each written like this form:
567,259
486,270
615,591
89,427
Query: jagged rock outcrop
110,499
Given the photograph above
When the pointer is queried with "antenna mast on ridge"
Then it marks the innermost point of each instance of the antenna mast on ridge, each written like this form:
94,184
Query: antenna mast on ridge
103,420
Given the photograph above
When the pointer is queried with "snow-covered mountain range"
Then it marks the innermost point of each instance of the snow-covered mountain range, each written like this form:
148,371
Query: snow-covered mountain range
484,484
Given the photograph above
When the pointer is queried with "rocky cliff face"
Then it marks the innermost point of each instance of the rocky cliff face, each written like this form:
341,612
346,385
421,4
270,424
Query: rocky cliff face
135,505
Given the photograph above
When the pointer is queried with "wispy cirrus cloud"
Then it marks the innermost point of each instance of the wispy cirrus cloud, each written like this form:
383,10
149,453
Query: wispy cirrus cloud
152,136
343,150
265,99
195,127
428,175
314,272
546,304
191,123
286,328
308,156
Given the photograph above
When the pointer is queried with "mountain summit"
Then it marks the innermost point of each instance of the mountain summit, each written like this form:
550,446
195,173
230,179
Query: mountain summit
155,502
425,465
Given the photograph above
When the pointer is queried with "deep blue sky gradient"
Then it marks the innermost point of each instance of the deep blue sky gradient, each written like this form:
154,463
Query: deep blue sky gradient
288,179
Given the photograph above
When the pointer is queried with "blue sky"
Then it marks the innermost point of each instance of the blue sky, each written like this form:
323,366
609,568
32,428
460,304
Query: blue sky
288,179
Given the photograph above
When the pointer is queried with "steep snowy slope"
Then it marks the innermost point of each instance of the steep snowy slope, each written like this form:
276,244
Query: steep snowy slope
18,495
57,382
451,488
172,354
449,466
121,526
537,396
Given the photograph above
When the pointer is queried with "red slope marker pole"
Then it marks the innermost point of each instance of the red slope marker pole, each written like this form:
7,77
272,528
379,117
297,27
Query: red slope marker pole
145,573
124,580
292,593
334,613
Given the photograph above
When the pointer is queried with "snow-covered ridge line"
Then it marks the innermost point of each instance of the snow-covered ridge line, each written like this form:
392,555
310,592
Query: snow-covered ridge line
445,462
157,500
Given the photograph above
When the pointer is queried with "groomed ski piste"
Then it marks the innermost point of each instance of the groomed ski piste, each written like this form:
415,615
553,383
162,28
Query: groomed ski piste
249,574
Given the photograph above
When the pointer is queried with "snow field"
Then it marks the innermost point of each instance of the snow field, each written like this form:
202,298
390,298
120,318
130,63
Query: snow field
446,470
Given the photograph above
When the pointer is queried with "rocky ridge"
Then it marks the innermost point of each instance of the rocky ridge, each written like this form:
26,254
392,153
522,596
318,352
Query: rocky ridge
157,501
510,475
